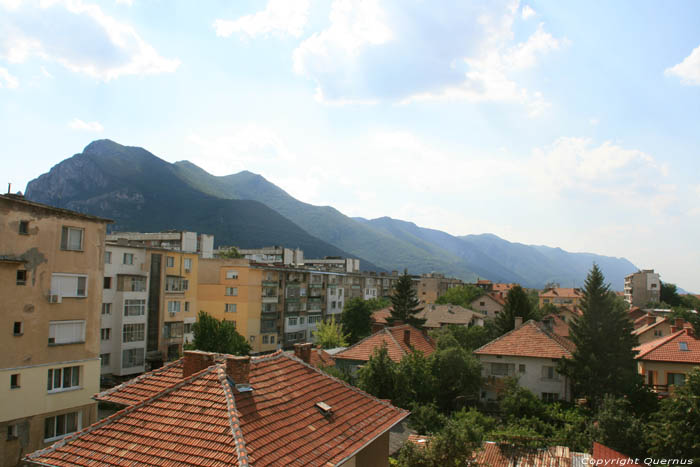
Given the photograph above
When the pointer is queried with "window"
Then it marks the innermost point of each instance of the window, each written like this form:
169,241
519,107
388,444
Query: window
315,319
550,396
24,227
232,291
521,368
107,283
187,328
251,339
132,357
105,334
675,379
17,328
658,333
683,346
502,369
104,359
61,425
170,261
14,381
176,284
108,257
301,320
134,307
188,264
71,239
69,285
266,339
340,292
61,379
133,332
11,432
272,339
482,303
187,307
549,372
128,258
230,308
173,307
232,274
66,332
173,329
106,308
293,321
21,277
131,283
333,305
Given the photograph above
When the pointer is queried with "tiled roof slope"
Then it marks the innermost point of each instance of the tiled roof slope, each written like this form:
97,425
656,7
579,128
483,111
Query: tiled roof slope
668,349
435,315
604,453
320,357
646,327
558,325
394,339
144,386
491,454
202,420
562,292
529,340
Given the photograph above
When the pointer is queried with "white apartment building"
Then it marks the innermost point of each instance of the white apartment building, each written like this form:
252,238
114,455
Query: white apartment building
124,318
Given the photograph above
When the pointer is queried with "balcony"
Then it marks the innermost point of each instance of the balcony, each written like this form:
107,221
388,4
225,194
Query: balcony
270,283
270,299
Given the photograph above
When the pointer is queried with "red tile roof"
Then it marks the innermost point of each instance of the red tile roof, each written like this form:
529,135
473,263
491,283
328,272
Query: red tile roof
394,339
492,454
562,292
419,440
144,386
646,327
529,340
501,287
558,325
380,316
604,453
320,357
204,420
435,315
668,349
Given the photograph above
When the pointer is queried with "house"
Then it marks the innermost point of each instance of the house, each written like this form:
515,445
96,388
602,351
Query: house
490,304
557,324
653,327
559,296
569,313
502,288
664,362
530,352
224,410
317,357
51,282
436,316
603,455
399,340
504,455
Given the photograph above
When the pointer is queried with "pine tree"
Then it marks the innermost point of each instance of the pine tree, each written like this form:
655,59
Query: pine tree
603,362
405,303
517,304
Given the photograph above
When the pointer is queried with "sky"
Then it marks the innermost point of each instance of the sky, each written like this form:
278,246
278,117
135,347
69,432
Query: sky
574,125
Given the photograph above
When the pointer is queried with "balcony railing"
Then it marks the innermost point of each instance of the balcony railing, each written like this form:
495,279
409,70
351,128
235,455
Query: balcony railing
273,299
270,283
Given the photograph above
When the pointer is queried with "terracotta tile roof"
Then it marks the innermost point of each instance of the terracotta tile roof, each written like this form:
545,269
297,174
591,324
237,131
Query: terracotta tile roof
501,287
144,386
380,316
529,340
204,420
497,454
483,281
435,315
668,349
320,357
558,325
394,339
647,327
419,440
604,453
574,309
562,293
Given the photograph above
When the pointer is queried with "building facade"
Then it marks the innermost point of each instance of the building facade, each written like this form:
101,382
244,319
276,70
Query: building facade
643,287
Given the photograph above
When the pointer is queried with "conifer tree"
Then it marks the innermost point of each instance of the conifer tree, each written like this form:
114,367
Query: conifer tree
517,304
404,303
603,362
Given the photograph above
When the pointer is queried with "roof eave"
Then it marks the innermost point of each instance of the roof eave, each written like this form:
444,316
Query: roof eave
347,458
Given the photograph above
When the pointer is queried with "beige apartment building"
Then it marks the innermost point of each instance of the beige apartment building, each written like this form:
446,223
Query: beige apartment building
643,287
51,280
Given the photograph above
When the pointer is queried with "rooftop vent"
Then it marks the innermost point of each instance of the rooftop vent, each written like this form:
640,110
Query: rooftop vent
244,387
324,408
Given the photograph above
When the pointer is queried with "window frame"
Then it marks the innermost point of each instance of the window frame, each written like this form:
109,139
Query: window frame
130,256
22,280
136,350
51,386
103,334
129,305
230,308
136,332
15,381
14,328
78,425
66,238
59,323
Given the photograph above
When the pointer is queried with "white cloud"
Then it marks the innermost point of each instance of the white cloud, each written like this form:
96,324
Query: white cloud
7,80
406,51
46,72
527,12
279,17
79,36
78,124
688,70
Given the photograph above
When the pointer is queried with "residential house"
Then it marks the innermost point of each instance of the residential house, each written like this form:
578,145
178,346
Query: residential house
436,316
314,356
664,362
226,410
484,284
643,287
51,280
490,304
557,324
502,289
650,327
559,296
531,353
399,340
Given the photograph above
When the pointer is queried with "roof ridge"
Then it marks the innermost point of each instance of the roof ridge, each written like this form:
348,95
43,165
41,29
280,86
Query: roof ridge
140,377
361,341
115,416
234,420
502,336
391,335
646,327
662,341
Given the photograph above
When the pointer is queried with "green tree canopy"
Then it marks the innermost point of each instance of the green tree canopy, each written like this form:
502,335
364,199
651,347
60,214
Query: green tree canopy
669,294
329,334
469,338
230,252
213,335
461,296
457,375
356,319
404,302
378,303
617,427
603,362
378,376
517,304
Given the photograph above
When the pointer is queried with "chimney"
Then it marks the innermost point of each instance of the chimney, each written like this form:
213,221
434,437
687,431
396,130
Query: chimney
407,336
303,352
679,323
376,327
196,360
674,329
397,322
518,321
651,319
238,368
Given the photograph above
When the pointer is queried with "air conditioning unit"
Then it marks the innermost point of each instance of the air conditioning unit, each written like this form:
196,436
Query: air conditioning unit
54,298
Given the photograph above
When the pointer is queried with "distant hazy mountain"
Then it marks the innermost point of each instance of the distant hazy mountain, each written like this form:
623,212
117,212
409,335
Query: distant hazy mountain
143,192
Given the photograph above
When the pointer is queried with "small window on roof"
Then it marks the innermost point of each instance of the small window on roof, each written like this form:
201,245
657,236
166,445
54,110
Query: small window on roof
683,346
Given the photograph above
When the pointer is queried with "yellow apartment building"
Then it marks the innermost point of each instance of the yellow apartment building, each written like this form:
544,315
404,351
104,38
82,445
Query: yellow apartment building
51,279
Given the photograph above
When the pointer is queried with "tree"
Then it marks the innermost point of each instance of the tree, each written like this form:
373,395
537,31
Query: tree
404,302
617,427
457,375
231,252
329,334
669,294
673,431
517,304
356,319
461,296
378,375
213,335
379,303
414,381
469,338
603,362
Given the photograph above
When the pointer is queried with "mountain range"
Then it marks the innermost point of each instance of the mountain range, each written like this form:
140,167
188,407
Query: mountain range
142,192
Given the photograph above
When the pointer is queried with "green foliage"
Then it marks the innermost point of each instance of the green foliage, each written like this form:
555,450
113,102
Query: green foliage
379,375
686,314
414,382
673,431
603,362
329,334
469,338
549,309
212,335
617,427
690,302
518,402
669,294
356,319
231,253
404,302
341,374
378,303
461,296
517,304
458,377
426,418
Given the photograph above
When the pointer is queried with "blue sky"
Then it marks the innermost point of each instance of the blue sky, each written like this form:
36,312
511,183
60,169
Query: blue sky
570,125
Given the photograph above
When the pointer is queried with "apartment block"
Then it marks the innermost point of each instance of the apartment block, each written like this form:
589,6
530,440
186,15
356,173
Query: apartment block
178,240
642,287
51,280
271,255
432,286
